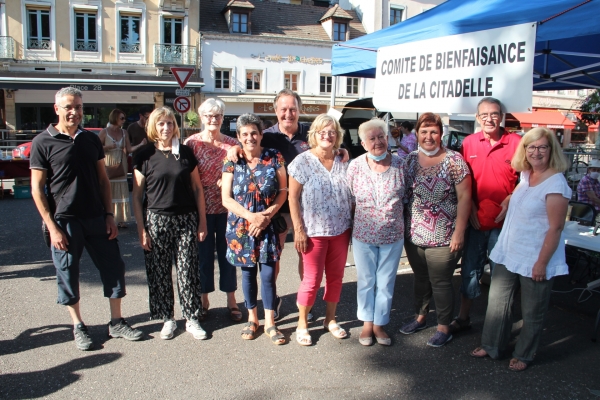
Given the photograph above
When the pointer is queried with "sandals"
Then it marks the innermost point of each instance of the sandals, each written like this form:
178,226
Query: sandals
517,365
336,330
303,337
459,325
235,314
277,338
479,353
250,334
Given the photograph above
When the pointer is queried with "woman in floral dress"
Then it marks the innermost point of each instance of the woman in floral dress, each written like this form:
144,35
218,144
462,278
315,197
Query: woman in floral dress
253,190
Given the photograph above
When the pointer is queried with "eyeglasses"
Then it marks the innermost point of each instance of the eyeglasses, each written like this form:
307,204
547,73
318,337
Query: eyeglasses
541,149
494,116
71,108
211,116
327,133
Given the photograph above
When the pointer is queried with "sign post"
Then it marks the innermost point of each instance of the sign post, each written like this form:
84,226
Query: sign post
182,104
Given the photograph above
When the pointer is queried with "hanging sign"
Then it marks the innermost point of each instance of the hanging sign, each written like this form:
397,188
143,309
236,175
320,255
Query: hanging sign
451,74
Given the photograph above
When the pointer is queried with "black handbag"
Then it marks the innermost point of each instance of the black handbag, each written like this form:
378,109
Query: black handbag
277,220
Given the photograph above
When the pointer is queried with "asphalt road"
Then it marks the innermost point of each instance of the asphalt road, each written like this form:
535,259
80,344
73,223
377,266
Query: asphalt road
38,357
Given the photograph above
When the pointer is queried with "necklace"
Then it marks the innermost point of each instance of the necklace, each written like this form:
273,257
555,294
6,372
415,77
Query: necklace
165,152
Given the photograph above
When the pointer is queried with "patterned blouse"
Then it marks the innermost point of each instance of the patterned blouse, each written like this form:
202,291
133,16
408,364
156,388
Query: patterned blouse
378,218
210,165
432,203
244,250
410,142
326,201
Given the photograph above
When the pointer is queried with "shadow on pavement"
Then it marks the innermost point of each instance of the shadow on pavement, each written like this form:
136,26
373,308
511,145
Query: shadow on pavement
37,337
34,384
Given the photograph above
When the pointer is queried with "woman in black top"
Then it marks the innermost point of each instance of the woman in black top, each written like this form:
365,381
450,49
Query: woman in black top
173,220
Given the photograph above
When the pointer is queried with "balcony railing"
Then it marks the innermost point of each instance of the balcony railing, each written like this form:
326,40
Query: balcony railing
129,48
82,45
37,44
7,47
174,54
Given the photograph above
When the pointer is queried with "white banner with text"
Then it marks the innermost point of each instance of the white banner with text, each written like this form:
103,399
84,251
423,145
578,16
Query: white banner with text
451,74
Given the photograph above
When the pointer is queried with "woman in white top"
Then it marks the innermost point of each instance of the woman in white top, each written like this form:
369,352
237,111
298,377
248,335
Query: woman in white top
530,251
320,207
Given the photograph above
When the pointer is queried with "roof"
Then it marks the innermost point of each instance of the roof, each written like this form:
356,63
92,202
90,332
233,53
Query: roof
290,21
545,119
239,4
336,12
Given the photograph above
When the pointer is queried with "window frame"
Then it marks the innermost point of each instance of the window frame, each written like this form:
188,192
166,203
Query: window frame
222,70
39,54
131,9
397,7
291,75
260,74
334,33
89,7
179,20
330,84
86,16
350,84
240,23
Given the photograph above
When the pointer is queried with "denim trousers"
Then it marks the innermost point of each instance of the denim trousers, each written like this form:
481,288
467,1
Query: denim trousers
535,297
376,267
267,285
478,246
433,268
215,236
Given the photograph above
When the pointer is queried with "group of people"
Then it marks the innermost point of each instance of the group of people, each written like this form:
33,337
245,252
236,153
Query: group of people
241,197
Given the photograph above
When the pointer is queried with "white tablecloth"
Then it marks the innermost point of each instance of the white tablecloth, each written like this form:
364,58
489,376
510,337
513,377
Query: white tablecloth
581,236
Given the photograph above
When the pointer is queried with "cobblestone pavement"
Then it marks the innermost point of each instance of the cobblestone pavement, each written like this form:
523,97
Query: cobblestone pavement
38,357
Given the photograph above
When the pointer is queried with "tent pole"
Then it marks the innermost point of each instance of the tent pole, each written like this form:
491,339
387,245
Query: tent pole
333,90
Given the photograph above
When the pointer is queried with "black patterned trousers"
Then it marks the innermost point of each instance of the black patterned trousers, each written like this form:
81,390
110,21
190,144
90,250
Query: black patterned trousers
174,239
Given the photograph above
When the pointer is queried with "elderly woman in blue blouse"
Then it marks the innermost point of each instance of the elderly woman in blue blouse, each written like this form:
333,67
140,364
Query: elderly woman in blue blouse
376,180
530,251
253,190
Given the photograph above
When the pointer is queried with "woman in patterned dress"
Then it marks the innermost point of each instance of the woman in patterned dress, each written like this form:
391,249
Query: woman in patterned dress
253,190
320,207
438,191
115,142
210,148
376,180
171,223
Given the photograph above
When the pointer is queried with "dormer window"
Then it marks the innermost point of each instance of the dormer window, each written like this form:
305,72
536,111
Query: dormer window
239,23
336,22
339,31
237,14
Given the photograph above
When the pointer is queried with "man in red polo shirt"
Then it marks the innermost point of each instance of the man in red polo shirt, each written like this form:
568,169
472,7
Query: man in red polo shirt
488,154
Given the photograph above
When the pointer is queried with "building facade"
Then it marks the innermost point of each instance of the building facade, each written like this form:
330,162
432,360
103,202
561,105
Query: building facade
118,52
253,49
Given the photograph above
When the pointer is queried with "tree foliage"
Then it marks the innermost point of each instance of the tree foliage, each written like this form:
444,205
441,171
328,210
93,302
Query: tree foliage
590,108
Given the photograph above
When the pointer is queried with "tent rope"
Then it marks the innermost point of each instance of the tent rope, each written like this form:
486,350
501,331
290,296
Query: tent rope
564,12
359,48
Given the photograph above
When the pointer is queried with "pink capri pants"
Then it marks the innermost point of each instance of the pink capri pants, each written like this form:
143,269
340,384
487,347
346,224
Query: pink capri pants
324,254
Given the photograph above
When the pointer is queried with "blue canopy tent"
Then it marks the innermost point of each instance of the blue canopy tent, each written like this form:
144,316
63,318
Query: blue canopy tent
567,42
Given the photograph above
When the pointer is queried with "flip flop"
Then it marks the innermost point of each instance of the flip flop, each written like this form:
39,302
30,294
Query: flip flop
247,331
478,350
277,338
517,365
235,314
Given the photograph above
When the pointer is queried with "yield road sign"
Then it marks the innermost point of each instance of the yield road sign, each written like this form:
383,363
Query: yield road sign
182,104
182,75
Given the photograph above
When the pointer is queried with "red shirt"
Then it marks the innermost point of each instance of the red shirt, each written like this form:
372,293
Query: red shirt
493,177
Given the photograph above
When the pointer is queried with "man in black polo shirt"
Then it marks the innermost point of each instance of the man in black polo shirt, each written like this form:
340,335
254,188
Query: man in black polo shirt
70,162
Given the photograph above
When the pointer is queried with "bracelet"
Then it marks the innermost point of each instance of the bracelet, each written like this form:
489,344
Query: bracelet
107,214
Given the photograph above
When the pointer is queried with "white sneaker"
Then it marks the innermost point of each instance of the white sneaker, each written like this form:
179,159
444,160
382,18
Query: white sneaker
193,327
168,329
